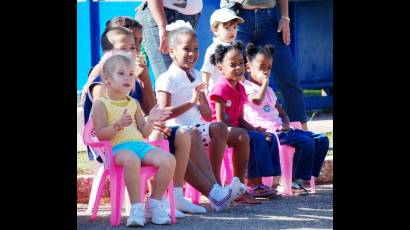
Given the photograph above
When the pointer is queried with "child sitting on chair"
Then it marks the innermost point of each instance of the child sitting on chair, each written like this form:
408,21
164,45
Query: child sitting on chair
180,88
119,119
263,110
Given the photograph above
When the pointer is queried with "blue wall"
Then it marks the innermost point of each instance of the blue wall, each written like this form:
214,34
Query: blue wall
83,43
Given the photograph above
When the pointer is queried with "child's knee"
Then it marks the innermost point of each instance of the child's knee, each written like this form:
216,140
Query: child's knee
243,136
218,130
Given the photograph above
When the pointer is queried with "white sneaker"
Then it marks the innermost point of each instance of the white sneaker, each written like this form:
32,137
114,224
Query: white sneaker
157,212
236,182
136,217
231,192
165,203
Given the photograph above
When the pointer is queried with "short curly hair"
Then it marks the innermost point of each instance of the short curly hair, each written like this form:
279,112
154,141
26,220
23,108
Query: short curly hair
221,50
252,51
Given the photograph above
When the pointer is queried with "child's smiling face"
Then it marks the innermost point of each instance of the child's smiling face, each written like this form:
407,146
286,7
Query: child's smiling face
185,52
232,66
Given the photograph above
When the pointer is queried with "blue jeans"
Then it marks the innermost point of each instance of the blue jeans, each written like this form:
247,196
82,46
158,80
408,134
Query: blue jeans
260,28
310,151
263,156
159,61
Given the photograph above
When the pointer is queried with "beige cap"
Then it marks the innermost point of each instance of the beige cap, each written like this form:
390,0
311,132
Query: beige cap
224,15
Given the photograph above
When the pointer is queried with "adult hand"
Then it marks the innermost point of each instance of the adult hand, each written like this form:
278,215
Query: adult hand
285,29
163,40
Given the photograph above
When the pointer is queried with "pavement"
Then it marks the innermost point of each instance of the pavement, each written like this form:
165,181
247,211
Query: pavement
314,211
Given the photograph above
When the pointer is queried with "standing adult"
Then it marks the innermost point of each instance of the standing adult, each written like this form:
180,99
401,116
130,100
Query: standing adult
154,15
262,27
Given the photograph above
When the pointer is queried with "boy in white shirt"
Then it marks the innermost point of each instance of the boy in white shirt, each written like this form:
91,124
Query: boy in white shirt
223,25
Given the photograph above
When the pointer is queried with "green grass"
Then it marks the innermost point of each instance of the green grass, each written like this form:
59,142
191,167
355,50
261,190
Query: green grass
312,93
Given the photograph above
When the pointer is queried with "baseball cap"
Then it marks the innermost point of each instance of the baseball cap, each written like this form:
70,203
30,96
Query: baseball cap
224,15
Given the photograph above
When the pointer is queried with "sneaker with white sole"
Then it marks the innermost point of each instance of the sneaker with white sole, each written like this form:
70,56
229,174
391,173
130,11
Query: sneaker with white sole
136,217
157,212
165,203
231,192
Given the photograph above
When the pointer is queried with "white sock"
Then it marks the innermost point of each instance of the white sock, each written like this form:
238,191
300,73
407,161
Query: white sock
184,205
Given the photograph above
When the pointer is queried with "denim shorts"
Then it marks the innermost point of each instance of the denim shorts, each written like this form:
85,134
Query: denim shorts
139,148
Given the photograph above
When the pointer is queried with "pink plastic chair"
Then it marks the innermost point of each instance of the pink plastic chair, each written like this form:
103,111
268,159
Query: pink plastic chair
116,173
226,177
286,153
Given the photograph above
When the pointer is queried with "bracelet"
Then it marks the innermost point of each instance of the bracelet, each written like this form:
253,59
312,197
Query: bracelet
117,126
286,18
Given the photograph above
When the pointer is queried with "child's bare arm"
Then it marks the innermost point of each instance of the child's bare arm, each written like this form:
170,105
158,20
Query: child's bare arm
204,108
205,77
220,109
95,72
102,129
284,116
147,92
257,98
244,124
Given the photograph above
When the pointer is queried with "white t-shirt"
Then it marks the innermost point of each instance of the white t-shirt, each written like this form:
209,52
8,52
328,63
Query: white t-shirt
187,7
208,67
176,82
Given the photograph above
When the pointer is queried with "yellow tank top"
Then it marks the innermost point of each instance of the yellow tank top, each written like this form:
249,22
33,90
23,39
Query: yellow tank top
114,111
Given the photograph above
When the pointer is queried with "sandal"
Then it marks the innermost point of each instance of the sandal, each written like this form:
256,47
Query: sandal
247,199
275,193
260,191
298,189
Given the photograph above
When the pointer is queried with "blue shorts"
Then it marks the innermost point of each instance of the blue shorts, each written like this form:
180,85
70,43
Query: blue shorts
139,148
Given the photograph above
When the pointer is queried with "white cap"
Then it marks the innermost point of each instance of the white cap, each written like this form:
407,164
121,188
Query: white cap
224,15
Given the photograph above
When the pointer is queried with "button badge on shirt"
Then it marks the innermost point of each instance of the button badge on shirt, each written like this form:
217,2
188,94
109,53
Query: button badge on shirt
267,108
228,103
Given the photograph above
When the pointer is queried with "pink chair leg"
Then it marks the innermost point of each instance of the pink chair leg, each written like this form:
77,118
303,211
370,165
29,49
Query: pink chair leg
171,198
286,153
117,188
227,163
312,185
99,195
